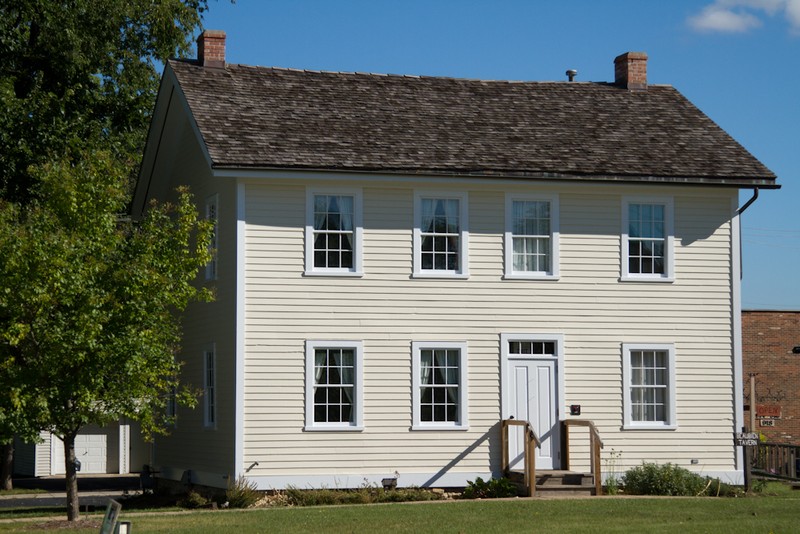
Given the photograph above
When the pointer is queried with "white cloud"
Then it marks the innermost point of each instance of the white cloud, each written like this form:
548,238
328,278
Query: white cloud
719,19
734,16
793,14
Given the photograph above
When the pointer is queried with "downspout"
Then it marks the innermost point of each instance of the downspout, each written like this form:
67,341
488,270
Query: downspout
739,213
747,204
736,331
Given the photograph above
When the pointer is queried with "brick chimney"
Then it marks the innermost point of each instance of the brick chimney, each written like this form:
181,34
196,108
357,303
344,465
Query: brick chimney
211,49
630,70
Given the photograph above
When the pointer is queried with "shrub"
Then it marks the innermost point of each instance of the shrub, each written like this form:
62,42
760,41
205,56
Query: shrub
193,500
491,489
410,494
242,493
666,479
363,495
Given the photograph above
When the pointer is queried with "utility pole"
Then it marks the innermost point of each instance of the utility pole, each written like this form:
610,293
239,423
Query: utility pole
753,402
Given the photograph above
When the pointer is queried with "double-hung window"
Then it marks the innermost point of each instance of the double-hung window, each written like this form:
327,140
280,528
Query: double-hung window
333,232
210,386
439,395
440,235
649,382
333,385
212,215
531,236
647,239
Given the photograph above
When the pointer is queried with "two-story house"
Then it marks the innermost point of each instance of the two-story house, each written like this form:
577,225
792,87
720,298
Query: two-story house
404,261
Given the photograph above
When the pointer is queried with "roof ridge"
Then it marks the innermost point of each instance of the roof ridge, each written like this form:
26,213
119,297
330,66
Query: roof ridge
406,76
410,76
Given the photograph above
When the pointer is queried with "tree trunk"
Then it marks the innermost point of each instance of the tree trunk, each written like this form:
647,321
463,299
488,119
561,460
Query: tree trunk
7,451
73,506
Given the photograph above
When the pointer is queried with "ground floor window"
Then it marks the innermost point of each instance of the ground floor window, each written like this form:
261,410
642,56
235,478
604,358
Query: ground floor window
333,385
440,385
210,386
649,381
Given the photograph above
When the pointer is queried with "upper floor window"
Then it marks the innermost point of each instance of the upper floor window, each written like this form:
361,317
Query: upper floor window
333,232
333,385
212,208
531,236
649,381
439,396
440,234
647,239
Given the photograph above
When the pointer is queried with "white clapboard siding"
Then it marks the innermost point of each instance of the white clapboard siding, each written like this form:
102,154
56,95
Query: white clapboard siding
387,309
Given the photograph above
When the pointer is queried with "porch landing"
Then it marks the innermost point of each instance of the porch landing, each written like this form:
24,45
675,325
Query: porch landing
557,482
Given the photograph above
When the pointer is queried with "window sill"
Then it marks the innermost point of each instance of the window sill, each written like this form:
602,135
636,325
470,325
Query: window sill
348,428
335,274
648,279
439,427
649,427
532,276
440,274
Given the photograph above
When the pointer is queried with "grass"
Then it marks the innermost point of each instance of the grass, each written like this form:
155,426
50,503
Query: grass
775,513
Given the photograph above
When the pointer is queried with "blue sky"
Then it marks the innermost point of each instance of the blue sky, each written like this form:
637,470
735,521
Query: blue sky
737,60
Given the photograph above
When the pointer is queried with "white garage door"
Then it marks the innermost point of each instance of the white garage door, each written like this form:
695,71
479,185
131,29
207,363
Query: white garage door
91,448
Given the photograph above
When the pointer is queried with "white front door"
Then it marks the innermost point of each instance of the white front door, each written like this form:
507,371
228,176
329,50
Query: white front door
532,397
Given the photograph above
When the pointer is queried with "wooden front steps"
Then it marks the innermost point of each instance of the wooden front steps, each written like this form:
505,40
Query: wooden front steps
553,483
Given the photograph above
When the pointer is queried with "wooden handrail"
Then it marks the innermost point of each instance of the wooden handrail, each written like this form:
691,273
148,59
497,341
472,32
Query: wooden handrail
595,444
531,441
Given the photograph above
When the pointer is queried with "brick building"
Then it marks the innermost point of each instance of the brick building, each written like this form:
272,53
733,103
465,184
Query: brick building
771,350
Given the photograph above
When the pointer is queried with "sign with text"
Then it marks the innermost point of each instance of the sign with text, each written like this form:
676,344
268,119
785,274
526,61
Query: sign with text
746,439
768,411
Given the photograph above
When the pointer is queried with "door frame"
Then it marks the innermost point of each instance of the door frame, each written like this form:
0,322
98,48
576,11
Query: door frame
505,384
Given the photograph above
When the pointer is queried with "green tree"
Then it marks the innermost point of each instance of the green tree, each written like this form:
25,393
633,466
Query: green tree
91,302
82,71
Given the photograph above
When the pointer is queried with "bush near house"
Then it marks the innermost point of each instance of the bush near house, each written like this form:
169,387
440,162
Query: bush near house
366,494
495,488
670,479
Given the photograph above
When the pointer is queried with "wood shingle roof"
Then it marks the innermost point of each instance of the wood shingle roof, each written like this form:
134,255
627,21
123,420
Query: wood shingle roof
257,117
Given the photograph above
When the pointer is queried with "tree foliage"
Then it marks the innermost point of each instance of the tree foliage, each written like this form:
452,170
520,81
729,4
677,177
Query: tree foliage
90,304
81,71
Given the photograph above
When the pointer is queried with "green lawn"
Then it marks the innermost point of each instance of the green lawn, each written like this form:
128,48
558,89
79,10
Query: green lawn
777,514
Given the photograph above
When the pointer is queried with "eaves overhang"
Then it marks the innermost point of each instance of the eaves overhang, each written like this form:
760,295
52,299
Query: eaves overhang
248,171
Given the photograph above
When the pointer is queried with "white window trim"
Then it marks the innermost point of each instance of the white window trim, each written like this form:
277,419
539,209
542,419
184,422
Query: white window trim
463,256
463,419
358,232
358,393
669,242
505,356
210,410
672,420
508,242
212,267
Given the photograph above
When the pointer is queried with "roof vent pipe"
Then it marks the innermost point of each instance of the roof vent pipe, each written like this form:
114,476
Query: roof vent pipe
571,73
